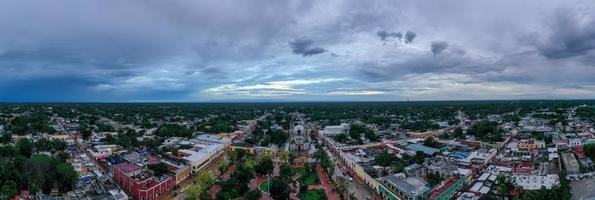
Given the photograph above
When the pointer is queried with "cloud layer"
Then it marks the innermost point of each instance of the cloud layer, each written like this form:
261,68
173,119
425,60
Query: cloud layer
295,50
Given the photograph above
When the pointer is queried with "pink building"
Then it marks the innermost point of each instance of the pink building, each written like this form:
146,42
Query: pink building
139,184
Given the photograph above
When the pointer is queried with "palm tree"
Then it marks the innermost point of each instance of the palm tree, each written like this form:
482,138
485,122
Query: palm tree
341,185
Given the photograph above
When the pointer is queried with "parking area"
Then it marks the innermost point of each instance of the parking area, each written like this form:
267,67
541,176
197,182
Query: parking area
583,189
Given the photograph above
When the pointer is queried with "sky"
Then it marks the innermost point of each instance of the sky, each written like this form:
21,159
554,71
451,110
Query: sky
295,50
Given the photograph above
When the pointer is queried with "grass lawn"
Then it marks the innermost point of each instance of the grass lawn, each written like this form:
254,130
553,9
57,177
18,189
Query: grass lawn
264,186
295,171
313,195
310,179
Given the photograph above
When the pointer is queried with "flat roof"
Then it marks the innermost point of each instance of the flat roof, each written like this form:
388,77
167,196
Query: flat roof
413,185
484,190
207,150
476,187
127,167
418,147
532,182
484,176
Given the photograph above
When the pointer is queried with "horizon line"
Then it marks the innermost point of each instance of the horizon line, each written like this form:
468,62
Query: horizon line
278,101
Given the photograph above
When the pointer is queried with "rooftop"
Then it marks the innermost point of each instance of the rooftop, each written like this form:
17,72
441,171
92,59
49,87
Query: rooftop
532,182
412,185
127,167
418,147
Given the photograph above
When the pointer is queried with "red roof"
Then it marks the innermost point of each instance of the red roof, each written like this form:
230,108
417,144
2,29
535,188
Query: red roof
127,167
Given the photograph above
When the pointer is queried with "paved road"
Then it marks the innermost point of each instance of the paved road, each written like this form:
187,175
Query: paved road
357,187
583,189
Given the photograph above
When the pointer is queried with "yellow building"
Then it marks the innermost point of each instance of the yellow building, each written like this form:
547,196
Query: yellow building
531,144
183,173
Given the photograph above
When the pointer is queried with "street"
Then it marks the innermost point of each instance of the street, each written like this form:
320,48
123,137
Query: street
356,186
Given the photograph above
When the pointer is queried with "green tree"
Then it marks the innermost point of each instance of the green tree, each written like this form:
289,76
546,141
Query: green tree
429,141
341,186
279,189
85,132
66,176
486,131
399,166
5,137
253,194
342,138
9,190
232,155
434,178
206,178
194,191
385,159
284,155
458,133
250,164
174,130
419,157
199,190
265,166
158,169
24,147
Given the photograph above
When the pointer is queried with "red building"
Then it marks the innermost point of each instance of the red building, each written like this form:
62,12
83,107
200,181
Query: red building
139,184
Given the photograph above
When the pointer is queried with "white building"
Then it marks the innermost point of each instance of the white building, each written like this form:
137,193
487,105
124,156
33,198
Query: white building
198,158
575,142
534,182
343,128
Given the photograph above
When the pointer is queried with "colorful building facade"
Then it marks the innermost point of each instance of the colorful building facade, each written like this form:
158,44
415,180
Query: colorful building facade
141,185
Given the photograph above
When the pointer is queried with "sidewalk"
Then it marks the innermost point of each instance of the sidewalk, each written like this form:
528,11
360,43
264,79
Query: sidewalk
325,184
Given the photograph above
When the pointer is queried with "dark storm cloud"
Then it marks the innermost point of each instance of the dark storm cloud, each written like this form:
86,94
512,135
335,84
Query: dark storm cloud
410,36
424,64
384,35
304,47
438,47
572,34
150,49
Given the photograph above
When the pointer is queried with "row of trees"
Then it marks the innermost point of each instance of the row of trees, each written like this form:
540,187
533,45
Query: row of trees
324,159
486,131
246,169
21,169
35,123
587,113
265,137
173,130
355,133
357,130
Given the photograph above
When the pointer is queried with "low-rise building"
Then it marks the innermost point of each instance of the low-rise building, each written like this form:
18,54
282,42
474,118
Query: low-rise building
343,128
415,170
405,188
535,182
198,157
140,184
530,144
